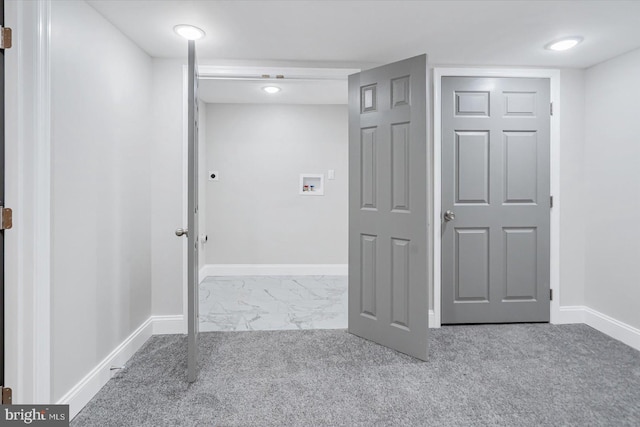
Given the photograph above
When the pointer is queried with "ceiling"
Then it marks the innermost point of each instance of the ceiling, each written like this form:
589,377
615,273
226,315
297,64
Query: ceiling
374,32
362,34
292,92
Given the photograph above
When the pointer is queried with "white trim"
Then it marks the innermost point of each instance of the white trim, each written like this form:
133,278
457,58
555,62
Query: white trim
606,324
88,387
613,327
554,76
432,320
173,324
256,73
273,270
42,236
570,314
28,167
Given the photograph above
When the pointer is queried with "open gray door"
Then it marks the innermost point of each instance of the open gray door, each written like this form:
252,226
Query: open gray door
388,181
192,207
495,200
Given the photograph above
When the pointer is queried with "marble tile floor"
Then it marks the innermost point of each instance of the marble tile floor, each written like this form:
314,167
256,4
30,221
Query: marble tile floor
267,303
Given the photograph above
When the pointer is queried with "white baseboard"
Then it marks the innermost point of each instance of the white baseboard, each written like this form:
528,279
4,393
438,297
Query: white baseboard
273,270
601,322
432,320
84,391
570,314
163,325
612,327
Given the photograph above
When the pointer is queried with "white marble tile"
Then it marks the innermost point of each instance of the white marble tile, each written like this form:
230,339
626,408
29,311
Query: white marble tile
273,303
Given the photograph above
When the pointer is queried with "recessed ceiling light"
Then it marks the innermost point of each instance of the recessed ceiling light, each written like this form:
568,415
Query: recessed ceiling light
271,89
564,44
189,32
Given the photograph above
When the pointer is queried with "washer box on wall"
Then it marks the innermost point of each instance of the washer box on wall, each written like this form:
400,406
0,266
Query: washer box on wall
311,184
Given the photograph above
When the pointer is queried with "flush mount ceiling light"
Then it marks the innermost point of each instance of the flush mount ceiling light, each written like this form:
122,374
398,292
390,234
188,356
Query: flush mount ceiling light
564,44
189,32
271,89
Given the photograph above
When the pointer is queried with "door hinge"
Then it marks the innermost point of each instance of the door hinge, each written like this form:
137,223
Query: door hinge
5,37
6,218
6,396
551,108
550,201
550,294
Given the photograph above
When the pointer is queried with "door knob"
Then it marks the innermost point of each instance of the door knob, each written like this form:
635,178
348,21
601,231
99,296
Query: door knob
449,216
182,232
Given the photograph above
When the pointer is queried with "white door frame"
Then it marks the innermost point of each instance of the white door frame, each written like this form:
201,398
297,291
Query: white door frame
28,193
554,77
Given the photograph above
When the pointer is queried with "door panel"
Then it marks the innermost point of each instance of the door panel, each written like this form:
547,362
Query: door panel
388,177
192,206
495,179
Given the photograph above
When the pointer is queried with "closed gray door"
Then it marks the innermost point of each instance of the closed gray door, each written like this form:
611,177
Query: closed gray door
495,185
388,295
192,206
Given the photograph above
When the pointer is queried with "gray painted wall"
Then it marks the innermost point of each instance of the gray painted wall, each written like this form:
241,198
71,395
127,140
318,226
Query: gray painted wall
255,214
101,271
612,188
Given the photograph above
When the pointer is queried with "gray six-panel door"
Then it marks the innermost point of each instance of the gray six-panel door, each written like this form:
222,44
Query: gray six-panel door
388,178
192,206
495,200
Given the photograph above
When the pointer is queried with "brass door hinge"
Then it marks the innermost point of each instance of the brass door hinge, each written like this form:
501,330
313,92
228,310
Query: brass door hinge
6,396
5,38
6,218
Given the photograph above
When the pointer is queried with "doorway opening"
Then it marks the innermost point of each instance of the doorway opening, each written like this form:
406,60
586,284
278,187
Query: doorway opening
272,257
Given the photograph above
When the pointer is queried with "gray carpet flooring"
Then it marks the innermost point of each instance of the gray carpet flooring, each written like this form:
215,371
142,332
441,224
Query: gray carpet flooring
510,375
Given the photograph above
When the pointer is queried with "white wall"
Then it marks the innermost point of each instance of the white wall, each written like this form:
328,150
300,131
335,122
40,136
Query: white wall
612,188
100,186
571,200
255,214
202,182
167,187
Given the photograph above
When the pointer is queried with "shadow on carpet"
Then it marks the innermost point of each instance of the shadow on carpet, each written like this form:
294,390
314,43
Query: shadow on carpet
511,375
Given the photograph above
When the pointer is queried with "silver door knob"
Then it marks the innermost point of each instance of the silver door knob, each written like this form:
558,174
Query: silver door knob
182,232
449,216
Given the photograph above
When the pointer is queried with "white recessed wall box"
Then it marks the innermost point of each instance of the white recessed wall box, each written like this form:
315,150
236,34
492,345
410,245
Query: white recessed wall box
311,184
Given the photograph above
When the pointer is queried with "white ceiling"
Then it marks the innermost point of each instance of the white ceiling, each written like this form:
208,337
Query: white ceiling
328,33
293,92
358,32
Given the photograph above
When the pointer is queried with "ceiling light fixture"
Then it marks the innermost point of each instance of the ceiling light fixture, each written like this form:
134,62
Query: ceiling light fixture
564,44
271,89
189,32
